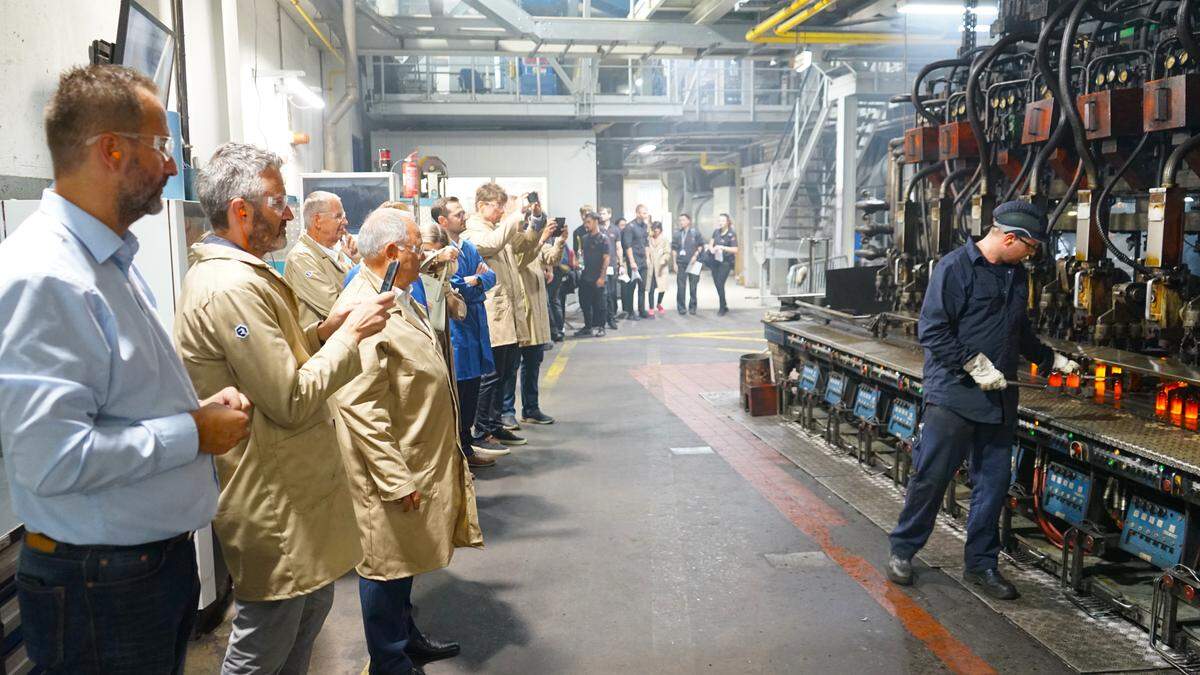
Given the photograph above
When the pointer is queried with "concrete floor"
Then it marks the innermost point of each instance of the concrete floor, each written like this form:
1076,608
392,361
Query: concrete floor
607,552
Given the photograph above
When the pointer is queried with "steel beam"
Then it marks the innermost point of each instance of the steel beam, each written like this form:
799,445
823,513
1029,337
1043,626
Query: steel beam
506,13
710,11
562,74
846,176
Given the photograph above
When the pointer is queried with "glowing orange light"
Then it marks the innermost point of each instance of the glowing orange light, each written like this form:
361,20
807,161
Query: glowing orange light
1176,403
1191,408
1073,381
1117,389
1161,400
1033,370
1055,379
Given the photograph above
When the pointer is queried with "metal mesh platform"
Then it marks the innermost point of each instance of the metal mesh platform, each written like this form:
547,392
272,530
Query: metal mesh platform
904,359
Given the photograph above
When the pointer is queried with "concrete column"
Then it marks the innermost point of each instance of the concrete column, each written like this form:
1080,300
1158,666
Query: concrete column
846,177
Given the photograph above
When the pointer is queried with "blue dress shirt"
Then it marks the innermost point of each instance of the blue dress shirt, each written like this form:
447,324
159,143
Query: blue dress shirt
973,306
98,444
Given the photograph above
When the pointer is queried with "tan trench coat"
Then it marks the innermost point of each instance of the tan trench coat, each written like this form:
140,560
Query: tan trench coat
658,256
402,412
534,259
505,302
284,519
314,277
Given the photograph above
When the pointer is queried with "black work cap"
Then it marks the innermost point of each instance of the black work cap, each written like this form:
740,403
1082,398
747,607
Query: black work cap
1022,219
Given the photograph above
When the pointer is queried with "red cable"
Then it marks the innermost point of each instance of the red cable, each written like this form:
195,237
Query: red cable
1046,526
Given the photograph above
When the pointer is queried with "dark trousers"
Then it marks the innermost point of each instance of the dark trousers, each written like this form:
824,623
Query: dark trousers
596,313
491,390
585,300
655,294
109,609
388,623
946,439
684,282
468,401
720,274
529,370
612,289
554,306
636,288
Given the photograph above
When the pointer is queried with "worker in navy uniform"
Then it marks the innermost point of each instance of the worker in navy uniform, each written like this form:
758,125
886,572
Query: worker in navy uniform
611,232
594,247
973,325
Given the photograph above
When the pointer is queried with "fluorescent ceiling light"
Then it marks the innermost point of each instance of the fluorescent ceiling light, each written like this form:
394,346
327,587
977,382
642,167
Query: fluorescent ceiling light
483,29
305,97
646,148
943,9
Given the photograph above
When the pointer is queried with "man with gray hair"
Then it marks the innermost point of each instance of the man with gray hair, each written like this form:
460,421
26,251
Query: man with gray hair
317,264
285,520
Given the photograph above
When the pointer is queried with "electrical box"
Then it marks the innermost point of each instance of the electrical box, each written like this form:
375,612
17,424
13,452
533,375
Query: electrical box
1111,112
903,422
920,145
1153,533
956,140
1171,103
1066,493
835,389
810,377
1039,120
866,403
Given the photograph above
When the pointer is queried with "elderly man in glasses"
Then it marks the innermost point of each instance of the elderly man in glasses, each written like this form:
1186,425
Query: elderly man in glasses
974,325
317,265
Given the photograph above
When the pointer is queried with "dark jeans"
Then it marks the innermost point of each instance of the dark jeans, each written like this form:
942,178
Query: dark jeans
636,287
388,623
554,306
529,369
109,609
683,282
655,294
491,390
720,274
585,300
468,401
596,314
612,289
946,439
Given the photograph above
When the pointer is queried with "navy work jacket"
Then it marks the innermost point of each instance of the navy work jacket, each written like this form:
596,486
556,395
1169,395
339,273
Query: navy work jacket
973,306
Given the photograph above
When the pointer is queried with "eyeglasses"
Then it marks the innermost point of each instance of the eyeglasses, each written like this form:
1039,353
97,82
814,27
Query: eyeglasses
277,203
165,145
411,248
1032,245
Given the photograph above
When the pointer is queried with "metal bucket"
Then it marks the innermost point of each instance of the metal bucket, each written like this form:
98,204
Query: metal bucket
755,370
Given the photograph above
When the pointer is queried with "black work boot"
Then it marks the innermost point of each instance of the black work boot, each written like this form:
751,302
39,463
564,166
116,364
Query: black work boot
899,570
992,583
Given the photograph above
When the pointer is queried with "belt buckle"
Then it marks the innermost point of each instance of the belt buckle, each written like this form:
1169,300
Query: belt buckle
40,542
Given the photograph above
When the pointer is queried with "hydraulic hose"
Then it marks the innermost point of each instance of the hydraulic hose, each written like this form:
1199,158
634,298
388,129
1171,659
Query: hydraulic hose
1067,197
1172,166
1026,167
952,177
1043,155
921,75
980,64
1064,93
918,177
1103,208
1183,19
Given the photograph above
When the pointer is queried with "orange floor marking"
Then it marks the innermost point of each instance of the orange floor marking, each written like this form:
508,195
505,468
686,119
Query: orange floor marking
679,388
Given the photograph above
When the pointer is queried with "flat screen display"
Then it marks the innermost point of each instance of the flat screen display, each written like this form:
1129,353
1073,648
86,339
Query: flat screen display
145,44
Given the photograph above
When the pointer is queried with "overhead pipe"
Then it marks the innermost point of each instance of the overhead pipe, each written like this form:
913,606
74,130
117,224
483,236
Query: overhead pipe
317,31
714,167
771,32
350,97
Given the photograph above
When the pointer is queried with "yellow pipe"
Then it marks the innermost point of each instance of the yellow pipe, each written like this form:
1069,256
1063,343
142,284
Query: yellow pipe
785,29
317,31
755,34
713,167
832,38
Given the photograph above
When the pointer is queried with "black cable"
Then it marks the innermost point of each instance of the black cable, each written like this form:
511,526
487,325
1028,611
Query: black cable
977,67
916,89
1070,194
1172,166
1066,100
1026,166
918,177
1183,30
1103,208
953,176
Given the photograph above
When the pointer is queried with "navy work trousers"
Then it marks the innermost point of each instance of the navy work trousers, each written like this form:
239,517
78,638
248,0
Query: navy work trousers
947,439
530,369
388,623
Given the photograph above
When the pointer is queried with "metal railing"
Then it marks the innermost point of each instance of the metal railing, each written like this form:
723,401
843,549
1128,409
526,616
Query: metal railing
695,85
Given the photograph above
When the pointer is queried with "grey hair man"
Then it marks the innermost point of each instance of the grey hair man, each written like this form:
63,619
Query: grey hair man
107,449
316,266
285,521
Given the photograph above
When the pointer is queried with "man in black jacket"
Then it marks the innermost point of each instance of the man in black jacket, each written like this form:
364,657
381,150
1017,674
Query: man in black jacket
686,244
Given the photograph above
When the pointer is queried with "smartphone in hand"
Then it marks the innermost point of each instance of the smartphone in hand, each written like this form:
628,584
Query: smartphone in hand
389,277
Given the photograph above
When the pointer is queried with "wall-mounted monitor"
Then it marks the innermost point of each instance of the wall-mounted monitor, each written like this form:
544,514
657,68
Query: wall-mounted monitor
145,44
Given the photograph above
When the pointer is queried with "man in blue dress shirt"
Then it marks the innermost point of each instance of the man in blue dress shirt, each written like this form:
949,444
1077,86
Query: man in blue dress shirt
973,326
107,450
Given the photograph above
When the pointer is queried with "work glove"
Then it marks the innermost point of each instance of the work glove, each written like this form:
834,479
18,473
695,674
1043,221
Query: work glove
986,375
1064,365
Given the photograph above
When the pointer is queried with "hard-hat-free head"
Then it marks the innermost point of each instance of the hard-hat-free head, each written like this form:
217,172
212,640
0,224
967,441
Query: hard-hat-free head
241,191
109,143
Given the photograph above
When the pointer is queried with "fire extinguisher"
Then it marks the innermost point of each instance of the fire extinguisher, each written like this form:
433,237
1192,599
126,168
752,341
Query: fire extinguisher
412,175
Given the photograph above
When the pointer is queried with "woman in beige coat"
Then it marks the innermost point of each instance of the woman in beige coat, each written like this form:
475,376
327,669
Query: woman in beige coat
658,254
413,494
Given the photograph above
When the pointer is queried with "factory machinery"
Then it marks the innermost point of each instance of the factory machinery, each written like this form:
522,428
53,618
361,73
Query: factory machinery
1091,109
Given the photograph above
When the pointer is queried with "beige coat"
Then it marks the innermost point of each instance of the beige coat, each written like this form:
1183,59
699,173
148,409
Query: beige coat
315,278
658,256
402,412
534,258
284,519
505,302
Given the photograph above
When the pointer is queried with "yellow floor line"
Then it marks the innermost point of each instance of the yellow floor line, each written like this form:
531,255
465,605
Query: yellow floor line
557,366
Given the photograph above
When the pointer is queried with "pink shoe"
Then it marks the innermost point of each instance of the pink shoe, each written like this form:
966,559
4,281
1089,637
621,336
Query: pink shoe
661,311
